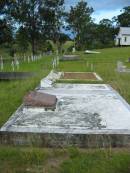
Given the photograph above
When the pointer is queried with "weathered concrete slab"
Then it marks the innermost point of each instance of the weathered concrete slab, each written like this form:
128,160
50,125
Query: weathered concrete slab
50,79
85,115
91,52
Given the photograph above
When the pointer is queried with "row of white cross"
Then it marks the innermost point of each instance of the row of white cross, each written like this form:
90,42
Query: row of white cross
15,64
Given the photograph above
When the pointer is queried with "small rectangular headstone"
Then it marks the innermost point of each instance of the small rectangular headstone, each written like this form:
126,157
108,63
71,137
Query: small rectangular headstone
37,99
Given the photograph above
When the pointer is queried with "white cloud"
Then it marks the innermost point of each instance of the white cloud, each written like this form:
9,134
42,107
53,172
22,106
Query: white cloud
109,14
108,4
102,8
101,4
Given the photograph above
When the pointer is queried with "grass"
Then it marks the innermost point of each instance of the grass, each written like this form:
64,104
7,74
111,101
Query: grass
72,160
104,64
97,162
77,81
12,92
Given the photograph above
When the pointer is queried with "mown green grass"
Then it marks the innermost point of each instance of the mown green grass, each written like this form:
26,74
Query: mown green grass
97,162
13,91
71,160
105,65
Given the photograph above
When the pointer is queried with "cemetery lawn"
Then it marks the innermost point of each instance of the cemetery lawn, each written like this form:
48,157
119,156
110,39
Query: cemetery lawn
104,65
71,160
13,91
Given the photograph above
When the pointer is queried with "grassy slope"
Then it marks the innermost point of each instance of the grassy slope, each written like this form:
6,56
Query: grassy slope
71,160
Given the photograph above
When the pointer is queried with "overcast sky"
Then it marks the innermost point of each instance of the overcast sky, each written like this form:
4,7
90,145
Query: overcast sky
102,8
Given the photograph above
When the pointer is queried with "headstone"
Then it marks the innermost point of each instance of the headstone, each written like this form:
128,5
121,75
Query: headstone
70,58
40,56
17,64
1,64
24,57
46,83
32,58
37,99
73,50
28,59
12,65
54,63
120,67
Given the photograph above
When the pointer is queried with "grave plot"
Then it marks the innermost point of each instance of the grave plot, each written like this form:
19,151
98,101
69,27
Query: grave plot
70,58
80,76
86,115
15,75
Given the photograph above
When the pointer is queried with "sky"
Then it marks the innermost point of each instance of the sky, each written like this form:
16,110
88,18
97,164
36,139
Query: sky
102,8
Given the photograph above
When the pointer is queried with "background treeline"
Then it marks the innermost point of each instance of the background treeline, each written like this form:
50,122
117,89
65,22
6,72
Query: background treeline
38,25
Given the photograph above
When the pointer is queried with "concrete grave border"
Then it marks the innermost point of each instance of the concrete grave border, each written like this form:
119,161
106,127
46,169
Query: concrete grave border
90,138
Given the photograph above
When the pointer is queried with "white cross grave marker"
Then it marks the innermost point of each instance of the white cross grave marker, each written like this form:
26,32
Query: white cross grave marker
1,64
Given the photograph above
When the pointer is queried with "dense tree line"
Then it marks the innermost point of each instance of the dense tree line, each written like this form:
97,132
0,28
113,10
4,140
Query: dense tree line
91,35
33,22
30,24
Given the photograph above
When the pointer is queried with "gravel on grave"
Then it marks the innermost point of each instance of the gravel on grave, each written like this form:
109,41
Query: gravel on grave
80,76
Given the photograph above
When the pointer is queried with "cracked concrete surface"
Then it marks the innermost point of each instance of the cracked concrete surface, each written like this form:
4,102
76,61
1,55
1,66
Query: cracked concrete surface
81,109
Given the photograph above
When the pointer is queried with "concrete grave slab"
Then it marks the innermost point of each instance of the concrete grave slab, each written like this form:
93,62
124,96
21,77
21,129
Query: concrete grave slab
80,76
85,115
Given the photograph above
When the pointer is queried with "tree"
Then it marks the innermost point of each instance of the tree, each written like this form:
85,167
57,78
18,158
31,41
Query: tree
26,14
124,18
5,27
38,18
53,13
79,19
5,32
22,39
106,33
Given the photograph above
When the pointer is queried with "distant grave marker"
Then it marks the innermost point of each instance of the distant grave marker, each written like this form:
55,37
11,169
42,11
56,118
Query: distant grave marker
16,63
70,58
28,59
12,65
73,50
15,75
122,68
1,64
